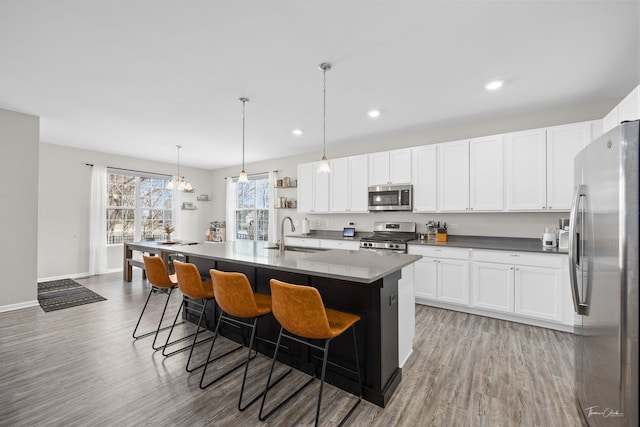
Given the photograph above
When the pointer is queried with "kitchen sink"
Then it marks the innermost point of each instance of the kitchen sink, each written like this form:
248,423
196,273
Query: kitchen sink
296,249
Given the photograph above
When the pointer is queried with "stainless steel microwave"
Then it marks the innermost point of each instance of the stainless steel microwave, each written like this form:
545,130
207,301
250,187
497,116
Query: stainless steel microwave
390,198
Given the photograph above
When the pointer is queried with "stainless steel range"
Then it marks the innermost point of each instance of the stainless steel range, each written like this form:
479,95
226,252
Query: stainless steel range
389,236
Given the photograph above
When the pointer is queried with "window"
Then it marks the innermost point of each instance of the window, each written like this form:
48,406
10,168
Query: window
138,208
252,209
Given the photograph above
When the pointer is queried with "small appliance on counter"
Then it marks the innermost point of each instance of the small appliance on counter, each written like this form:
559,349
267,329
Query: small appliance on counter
549,237
563,234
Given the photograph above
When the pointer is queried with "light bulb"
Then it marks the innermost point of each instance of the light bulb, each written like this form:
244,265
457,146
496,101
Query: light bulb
243,177
324,167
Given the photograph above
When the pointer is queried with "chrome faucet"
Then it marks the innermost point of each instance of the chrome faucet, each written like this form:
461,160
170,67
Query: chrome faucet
293,228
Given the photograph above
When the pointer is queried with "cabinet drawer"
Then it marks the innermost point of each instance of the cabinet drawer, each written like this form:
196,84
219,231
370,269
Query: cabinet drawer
302,241
519,258
340,244
439,252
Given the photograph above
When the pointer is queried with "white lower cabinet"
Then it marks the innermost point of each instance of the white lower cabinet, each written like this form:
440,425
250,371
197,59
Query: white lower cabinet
492,286
525,287
526,284
538,292
442,274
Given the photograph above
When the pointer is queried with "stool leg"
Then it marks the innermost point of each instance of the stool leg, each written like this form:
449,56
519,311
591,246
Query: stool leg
209,360
324,370
170,331
140,318
270,385
195,337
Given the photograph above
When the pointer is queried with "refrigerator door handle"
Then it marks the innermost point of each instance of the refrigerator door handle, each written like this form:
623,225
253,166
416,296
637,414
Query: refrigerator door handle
573,248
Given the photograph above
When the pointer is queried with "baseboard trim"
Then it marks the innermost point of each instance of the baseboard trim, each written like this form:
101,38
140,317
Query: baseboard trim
18,306
76,275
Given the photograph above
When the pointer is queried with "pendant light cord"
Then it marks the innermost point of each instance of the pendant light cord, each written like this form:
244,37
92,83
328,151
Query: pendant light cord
244,101
324,110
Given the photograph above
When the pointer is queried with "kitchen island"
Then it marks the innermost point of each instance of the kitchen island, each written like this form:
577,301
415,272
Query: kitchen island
359,282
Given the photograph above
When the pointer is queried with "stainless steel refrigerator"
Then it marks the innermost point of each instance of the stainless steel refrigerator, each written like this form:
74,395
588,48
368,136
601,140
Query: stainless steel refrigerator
603,257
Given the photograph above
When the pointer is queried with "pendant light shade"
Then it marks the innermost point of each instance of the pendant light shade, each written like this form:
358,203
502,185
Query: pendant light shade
243,175
324,167
177,181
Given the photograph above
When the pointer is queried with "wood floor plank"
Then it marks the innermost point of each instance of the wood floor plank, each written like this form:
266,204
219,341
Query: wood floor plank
80,366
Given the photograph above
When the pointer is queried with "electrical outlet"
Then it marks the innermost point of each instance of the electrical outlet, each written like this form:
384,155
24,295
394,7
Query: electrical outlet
453,226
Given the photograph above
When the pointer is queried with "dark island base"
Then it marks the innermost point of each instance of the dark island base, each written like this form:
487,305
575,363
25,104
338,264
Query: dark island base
376,332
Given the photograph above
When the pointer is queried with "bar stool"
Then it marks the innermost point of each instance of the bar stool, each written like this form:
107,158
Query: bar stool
194,287
300,311
160,281
236,298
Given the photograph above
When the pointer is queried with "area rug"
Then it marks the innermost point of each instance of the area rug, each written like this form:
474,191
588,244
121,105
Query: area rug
65,293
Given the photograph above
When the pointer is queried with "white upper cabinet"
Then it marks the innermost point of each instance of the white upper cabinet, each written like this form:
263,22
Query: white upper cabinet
358,184
486,170
629,108
453,176
424,178
348,184
610,120
525,171
563,144
390,167
313,189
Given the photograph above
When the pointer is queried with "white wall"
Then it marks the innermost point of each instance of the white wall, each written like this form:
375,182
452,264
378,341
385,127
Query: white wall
19,136
477,224
63,199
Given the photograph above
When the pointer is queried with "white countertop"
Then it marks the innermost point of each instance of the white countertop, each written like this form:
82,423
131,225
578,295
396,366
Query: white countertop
352,265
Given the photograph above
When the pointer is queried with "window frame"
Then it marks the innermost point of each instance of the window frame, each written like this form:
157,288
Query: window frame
255,209
138,208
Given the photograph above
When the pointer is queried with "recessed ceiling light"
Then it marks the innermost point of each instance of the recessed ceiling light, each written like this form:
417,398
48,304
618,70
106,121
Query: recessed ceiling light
496,84
296,132
373,114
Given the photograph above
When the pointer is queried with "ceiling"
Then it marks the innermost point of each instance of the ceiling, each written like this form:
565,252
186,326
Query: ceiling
138,77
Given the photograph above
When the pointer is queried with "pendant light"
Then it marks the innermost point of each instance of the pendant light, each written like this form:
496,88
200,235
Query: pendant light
324,163
178,182
243,174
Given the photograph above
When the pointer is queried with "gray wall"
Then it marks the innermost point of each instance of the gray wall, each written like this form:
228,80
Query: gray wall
19,135
65,186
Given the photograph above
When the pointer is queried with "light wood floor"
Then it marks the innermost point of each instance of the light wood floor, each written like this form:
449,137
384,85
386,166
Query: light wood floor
80,367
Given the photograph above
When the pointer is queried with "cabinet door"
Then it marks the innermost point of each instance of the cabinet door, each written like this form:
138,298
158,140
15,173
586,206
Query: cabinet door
358,184
424,176
379,168
629,107
486,170
320,190
453,176
526,175
305,187
563,144
538,292
424,278
453,281
339,178
492,286
400,166
610,120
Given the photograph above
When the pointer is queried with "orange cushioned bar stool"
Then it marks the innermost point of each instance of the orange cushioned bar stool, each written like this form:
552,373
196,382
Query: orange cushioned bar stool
195,288
161,282
236,298
301,312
